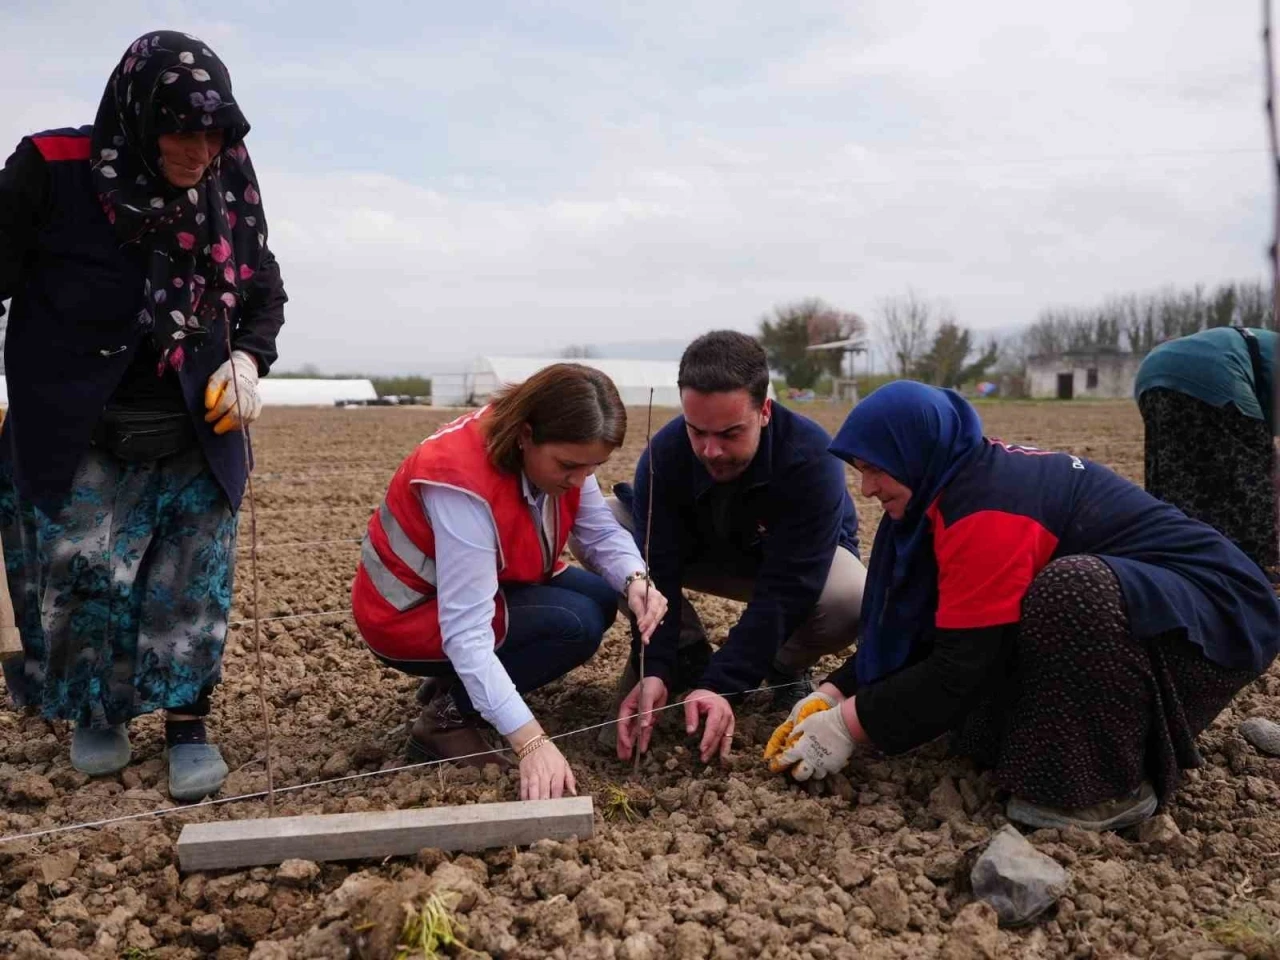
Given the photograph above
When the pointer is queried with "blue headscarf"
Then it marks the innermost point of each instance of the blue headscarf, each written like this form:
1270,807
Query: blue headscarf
921,436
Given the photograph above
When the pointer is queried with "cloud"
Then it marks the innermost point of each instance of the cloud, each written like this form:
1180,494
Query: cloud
444,181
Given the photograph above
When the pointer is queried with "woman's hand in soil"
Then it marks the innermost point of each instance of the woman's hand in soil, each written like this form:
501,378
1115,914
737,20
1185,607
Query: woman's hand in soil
648,605
545,775
717,736
636,717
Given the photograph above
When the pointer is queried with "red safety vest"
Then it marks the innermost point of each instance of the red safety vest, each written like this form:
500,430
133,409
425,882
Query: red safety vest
393,597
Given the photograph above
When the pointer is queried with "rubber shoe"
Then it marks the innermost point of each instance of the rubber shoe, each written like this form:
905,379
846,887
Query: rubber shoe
196,771
1109,815
98,753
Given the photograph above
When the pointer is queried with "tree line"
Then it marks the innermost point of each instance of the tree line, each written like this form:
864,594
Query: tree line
923,339
1138,322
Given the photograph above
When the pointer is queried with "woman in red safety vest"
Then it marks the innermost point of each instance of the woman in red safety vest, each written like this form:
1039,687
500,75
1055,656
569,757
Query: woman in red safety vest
461,578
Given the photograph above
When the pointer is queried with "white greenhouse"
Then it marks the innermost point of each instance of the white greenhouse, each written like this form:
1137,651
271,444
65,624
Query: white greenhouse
293,393
297,392
633,378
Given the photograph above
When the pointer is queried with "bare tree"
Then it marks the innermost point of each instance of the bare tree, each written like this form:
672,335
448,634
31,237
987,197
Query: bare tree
578,351
904,328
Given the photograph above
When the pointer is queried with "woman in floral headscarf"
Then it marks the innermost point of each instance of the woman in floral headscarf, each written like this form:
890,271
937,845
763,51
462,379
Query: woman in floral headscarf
145,305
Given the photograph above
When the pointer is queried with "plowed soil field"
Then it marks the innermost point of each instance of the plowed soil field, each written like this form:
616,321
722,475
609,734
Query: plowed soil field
718,860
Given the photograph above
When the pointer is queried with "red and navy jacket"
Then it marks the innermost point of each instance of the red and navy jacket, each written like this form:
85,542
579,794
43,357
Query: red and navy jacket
1008,513
73,328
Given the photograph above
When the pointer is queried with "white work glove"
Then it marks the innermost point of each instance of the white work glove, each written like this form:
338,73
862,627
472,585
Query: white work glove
799,712
784,735
220,393
823,746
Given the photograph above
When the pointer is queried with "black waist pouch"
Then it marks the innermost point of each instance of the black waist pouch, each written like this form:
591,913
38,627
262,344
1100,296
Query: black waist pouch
144,434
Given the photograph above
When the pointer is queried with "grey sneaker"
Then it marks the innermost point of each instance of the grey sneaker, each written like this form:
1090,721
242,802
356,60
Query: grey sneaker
1108,815
97,753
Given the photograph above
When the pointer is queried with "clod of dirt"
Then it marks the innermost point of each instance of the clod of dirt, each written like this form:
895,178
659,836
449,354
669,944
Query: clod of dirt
270,950
974,935
59,866
1263,734
640,946
31,788
850,870
297,873
941,866
693,942
945,800
338,764
554,923
252,923
709,908
1161,833
802,816
206,931
1109,874
606,913
889,903
1019,881
68,908
458,886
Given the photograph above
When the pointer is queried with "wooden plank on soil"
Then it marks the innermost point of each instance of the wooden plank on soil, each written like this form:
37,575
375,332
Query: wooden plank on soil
359,836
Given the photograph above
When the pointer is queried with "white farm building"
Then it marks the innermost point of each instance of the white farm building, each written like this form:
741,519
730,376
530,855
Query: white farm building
633,378
1097,373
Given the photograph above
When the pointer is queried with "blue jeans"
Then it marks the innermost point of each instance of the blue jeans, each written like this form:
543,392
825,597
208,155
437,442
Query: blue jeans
551,629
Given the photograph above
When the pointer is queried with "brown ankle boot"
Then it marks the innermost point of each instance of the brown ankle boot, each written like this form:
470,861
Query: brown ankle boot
441,732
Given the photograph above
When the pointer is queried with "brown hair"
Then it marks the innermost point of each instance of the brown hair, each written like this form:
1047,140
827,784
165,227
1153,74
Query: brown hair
725,360
562,403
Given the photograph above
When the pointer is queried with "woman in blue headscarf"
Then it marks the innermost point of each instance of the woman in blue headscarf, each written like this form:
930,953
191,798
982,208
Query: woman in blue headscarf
1073,631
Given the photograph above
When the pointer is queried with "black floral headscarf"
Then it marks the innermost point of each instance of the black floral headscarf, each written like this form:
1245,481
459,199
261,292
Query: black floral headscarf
201,245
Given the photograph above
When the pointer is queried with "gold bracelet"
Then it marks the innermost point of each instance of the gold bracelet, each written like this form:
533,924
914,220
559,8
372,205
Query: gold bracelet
632,578
532,745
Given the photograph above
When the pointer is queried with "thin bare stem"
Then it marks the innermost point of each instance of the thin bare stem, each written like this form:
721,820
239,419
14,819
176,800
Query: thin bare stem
648,530
253,572
1269,62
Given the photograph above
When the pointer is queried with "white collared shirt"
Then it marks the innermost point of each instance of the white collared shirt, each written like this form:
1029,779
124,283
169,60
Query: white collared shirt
467,580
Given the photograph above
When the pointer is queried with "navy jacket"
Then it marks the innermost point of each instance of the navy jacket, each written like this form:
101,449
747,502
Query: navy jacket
791,512
72,331
1008,513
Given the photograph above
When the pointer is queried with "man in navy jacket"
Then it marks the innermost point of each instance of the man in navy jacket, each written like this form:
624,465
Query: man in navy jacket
748,505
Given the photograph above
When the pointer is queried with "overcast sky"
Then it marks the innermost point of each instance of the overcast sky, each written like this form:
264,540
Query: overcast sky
443,179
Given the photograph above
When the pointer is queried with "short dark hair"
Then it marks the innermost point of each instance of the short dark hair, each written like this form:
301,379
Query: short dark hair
562,403
725,360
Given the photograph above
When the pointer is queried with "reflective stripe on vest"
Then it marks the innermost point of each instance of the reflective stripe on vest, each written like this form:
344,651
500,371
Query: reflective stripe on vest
404,548
400,595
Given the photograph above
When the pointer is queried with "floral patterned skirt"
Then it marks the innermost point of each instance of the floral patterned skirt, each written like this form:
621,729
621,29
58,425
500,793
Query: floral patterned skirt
1087,712
122,596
